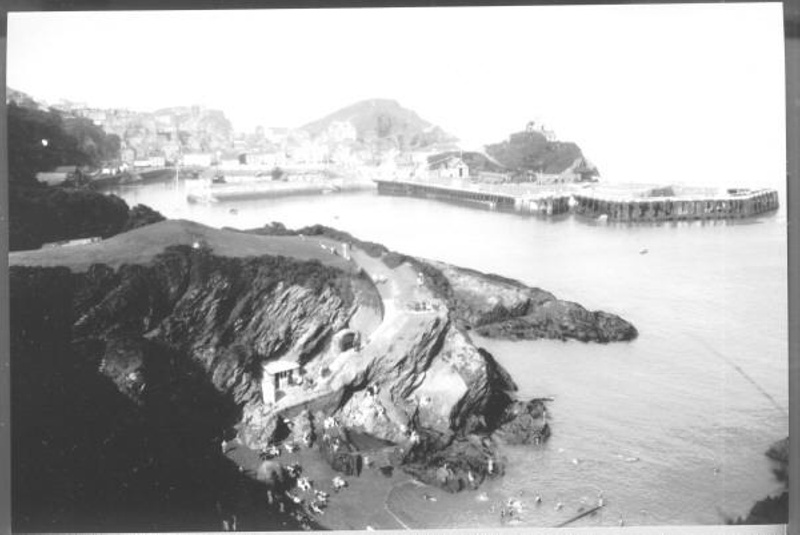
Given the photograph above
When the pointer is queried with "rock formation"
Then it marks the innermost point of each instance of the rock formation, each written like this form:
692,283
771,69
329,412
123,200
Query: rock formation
179,345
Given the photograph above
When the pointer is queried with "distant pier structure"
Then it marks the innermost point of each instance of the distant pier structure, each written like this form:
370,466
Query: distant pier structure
629,203
672,204
547,203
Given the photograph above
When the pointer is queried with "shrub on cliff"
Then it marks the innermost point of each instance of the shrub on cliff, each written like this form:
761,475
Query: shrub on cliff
530,151
69,141
140,216
41,214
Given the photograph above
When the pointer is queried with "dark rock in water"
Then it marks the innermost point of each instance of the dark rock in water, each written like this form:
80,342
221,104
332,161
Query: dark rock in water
498,307
773,509
562,320
770,510
453,463
779,451
524,423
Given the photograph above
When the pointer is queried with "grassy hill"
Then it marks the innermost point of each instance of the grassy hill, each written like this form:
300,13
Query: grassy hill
141,245
386,121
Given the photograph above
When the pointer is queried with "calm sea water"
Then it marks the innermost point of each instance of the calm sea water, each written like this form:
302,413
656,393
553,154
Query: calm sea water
672,427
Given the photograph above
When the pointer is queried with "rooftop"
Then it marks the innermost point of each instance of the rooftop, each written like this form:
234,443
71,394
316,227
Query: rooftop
278,366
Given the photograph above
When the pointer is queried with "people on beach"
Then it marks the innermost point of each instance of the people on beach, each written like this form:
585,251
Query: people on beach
338,483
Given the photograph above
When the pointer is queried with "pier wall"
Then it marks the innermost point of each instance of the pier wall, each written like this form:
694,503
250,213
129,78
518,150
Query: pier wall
677,208
548,204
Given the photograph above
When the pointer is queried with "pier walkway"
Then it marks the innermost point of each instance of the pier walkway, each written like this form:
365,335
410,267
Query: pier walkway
629,203
547,202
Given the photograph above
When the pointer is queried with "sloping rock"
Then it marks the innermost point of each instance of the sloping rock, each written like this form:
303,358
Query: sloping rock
498,307
524,423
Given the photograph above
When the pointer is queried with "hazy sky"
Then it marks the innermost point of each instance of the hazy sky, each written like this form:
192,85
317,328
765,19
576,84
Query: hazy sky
658,93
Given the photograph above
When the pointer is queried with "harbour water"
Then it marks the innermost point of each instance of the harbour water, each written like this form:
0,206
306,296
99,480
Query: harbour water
672,427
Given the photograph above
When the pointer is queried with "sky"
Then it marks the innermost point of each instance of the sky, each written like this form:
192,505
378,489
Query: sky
651,93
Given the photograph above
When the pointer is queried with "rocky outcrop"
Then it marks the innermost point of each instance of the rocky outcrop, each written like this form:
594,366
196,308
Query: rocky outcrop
773,509
179,343
454,462
524,423
497,307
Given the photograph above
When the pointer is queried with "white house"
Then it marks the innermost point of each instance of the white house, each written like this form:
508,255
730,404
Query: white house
449,167
202,159
276,376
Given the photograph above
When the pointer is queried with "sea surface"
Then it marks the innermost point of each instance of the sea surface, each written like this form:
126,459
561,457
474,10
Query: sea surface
672,427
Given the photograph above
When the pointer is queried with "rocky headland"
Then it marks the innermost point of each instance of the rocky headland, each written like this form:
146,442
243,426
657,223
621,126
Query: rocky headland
135,358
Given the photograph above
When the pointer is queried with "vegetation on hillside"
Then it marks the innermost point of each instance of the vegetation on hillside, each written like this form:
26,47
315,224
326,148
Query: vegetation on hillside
41,141
530,151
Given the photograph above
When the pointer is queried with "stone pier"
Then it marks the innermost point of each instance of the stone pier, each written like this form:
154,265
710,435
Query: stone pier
677,208
625,205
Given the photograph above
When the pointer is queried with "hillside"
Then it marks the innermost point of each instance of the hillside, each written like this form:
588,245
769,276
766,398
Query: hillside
383,121
530,151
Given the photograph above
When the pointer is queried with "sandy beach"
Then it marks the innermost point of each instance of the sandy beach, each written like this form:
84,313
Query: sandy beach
361,504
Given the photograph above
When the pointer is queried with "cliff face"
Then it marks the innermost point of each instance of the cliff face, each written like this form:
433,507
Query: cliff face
125,381
113,430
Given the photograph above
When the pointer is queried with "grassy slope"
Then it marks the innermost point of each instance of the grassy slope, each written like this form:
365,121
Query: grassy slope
143,244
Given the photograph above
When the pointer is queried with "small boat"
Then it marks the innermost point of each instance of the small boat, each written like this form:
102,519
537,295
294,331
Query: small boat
644,251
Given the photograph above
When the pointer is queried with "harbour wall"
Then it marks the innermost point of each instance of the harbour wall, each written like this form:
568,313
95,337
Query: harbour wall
732,206
543,203
630,208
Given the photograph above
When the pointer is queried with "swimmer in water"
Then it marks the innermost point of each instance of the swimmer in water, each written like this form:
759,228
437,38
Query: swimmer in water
537,500
559,506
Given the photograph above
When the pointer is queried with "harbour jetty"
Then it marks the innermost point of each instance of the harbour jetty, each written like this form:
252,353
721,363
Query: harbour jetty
547,202
674,204
628,203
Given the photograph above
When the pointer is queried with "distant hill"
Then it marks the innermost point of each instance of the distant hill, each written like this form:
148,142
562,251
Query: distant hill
531,151
386,123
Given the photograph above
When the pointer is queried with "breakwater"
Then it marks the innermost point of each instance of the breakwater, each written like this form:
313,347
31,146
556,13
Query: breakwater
621,204
731,205
548,203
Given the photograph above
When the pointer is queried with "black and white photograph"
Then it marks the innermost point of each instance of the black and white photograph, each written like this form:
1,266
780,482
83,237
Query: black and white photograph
407,268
